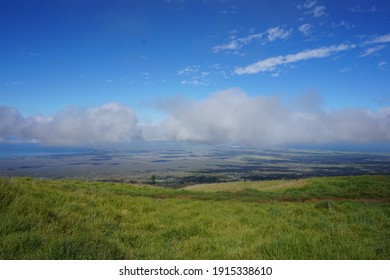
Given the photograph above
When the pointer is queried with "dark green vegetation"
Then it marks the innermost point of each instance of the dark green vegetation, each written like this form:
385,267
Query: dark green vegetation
317,218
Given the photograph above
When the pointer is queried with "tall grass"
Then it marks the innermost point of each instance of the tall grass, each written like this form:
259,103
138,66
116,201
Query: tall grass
341,218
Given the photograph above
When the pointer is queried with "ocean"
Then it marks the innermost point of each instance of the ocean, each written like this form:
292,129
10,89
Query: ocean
31,150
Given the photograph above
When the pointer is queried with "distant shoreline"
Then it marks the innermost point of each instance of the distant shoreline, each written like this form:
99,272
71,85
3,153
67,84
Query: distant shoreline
184,164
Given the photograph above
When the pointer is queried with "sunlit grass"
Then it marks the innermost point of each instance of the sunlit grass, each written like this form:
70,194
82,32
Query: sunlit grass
239,186
341,218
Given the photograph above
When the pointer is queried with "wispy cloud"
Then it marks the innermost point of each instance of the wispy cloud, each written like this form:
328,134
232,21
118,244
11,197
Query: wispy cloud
229,46
359,9
200,79
146,75
382,65
383,39
311,7
219,70
230,10
203,75
237,43
305,29
318,11
270,35
188,70
14,83
372,50
347,25
194,76
309,4
270,64
345,69
278,33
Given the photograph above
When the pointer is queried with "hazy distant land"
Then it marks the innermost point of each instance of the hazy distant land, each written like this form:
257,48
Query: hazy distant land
176,164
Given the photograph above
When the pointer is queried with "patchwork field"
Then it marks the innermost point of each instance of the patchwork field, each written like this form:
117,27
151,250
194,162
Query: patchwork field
182,164
316,218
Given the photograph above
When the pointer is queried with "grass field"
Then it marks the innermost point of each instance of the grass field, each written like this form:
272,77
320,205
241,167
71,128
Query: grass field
318,218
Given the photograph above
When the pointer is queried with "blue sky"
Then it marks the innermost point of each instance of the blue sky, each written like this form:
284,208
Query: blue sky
150,63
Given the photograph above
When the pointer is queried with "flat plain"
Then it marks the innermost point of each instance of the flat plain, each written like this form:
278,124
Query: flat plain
179,164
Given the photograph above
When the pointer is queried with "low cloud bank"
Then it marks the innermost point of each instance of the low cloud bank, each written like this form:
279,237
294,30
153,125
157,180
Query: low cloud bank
225,117
110,123
233,117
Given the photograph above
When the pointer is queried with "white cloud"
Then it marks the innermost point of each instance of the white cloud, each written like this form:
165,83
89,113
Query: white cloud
347,25
199,80
382,64
237,43
193,76
203,75
271,34
277,33
232,45
110,123
372,50
226,117
359,9
309,4
305,29
248,39
14,83
233,117
346,70
219,70
10,120
379,40
311,7
319,11
188,70
270,64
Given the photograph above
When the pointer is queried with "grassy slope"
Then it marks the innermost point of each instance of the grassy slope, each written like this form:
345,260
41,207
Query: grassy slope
319,218
239,186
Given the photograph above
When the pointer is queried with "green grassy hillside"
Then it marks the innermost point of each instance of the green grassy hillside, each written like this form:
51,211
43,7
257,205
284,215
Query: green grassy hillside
319,218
